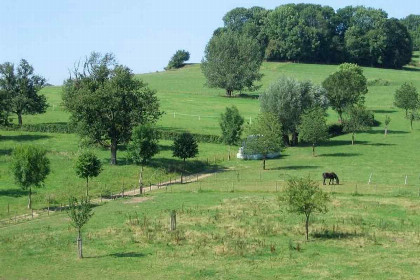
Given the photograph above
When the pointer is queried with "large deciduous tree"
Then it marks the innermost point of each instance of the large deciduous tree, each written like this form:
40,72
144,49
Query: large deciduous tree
143,146
287,99
264,136
106,101
313,128
30,167
345,87
21,88
232,62
406,97
304,196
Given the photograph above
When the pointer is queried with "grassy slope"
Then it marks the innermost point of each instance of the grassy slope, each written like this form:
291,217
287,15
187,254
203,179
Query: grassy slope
224,234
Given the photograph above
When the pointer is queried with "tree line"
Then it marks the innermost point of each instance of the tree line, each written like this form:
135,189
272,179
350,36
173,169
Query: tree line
319,34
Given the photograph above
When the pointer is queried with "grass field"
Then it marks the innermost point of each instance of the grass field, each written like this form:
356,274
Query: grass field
230,225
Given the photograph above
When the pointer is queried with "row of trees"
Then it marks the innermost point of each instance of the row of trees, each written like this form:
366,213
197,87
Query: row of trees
315,33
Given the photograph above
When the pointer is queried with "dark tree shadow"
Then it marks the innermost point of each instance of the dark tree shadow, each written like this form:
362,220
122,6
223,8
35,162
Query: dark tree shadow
128,255
334,143
340,155
411,69
13,192
378,144
22,138
165,148
384,111
5,152
294,167
389,132
329,234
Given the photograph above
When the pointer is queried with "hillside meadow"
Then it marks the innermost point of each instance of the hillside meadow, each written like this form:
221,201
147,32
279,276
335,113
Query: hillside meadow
232,224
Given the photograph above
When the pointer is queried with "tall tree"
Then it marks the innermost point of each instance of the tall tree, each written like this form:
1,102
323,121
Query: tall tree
345,87
287,99
265,136
87,166
406,97
106,101
178,59
30,167
231,125
232,62
313,128
143,146
412,22
80,214
304,196
21,89
359,119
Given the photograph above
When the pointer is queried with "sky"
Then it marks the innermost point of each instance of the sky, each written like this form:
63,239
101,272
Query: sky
52,35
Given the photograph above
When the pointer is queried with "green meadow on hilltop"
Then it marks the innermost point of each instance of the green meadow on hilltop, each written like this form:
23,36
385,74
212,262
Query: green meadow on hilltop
230,225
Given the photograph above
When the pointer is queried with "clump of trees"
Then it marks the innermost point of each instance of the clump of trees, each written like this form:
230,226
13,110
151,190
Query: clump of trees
106,101
30,167
288,99
19,91
315,33
178,59
232,62
88,166
304,196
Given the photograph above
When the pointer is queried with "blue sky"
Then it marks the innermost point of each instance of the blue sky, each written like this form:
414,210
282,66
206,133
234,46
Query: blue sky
53,34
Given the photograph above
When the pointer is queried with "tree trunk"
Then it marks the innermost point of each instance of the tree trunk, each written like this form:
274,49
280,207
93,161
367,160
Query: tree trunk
264,163
295,138
352,139
229,92
19,118
286,139
173,220
411,123
30,198
386,131
114,151
141,180
307,227
313,149
340,116
79,245
87,186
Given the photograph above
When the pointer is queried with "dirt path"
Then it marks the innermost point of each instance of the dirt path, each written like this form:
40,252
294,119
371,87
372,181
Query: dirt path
15,220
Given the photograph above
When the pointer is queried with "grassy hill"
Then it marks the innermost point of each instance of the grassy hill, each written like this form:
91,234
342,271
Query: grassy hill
231,225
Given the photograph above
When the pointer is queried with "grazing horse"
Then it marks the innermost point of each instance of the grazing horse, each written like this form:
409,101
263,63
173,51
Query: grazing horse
332,176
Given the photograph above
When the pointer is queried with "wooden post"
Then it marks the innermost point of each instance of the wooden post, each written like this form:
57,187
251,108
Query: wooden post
197,177
182,179
173,220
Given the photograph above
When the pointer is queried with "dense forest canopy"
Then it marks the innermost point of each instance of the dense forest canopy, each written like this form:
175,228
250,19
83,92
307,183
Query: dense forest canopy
315,33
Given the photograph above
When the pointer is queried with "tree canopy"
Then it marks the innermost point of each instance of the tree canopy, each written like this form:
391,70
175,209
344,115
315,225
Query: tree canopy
87,166
313,127
178,59
406,97
231,125
185,146
358,119
345,87
316,33
20,90
412,22
106,101
232,62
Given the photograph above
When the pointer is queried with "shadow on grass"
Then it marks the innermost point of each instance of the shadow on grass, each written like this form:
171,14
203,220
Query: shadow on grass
340,155
119,255
378,144
411,69
24,137
294,167
13,192
389,132
380,111
5,152
329,234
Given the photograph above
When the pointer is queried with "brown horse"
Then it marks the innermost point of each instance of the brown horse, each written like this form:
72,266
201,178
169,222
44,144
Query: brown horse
332,176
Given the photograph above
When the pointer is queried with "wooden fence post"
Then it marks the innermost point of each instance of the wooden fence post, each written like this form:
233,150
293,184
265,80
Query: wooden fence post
173,220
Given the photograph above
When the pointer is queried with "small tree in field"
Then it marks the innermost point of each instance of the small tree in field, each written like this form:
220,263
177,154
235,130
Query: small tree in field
185,146
231,125
142,147
79,215
359,119
267,133
406,97
313,128
88,166
387,122
178,59
30,167
304,196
